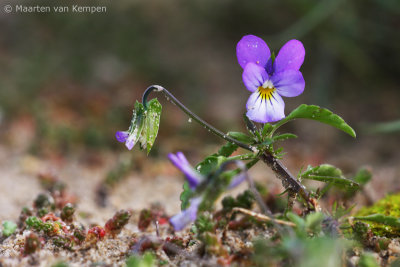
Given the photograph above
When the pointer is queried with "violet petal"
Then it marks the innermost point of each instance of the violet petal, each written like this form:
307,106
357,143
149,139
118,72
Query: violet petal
130,142
289,83
180,161
290,57
182,219
238,179
254,76
252,49
121,136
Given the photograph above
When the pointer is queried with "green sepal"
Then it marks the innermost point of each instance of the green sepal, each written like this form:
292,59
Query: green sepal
329,174
267,129
241,137
319,114
273,57
137,123
151,125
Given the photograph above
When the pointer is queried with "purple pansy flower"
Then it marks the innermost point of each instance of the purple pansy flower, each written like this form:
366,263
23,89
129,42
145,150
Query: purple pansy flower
187,216
269,81
179,160
127,138
238,179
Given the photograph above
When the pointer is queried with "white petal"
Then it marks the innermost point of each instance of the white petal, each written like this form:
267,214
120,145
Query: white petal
265,110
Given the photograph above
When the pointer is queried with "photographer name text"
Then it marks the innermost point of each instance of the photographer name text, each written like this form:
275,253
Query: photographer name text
21,9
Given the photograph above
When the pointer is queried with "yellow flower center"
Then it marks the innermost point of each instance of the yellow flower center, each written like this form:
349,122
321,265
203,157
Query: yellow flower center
266,90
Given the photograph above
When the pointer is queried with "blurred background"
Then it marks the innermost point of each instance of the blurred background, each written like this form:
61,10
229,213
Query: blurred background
68,82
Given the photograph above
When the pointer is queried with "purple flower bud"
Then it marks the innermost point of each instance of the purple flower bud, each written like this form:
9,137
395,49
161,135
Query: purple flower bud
128,138
238,179
179,160
187,216
122,136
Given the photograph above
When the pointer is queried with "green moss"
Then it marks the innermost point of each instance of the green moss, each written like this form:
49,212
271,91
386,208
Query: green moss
243,200
204,223
9,228
388,206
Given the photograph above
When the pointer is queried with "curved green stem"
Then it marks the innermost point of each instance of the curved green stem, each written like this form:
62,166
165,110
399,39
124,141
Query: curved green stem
170,97
288,180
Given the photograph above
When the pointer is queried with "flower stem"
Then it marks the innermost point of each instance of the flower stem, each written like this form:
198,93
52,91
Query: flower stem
170,97
288,180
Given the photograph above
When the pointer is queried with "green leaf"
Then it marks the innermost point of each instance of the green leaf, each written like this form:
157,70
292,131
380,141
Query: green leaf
363,176
8,228
241,137
210,164
338,211
383,128
319,114
296,219
284,136
380,218
313,221
328,174
185,196
152,123
227,149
